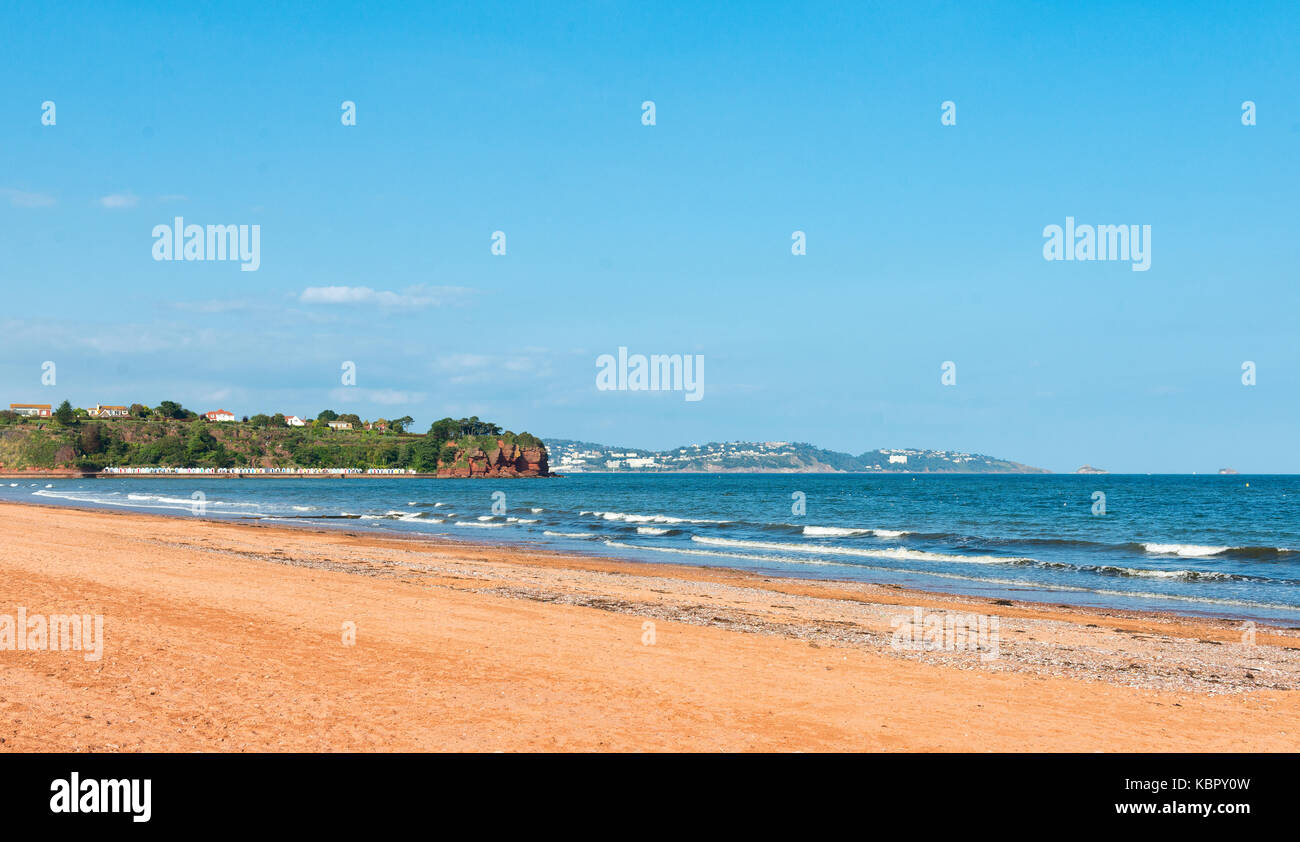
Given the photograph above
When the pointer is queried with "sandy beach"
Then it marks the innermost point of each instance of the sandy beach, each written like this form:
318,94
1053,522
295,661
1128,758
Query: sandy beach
222,636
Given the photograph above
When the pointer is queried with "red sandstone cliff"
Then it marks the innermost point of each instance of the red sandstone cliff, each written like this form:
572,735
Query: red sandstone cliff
504,460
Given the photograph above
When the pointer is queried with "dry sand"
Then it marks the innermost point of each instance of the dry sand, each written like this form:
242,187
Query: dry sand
230,637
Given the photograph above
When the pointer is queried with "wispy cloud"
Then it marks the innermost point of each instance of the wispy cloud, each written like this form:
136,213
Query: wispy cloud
467,368
23,199
387,397
215,305
409,298
118,201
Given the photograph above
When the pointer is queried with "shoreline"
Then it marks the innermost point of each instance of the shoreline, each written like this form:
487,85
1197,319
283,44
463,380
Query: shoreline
1208,608
225,635
626,566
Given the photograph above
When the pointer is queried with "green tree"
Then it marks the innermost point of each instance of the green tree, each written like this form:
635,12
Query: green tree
171,409
327,415
65,414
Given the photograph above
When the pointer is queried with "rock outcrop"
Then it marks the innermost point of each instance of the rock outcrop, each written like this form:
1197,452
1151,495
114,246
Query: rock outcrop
504,460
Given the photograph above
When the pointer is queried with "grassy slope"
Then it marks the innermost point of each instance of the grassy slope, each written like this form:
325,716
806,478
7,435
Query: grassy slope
47,445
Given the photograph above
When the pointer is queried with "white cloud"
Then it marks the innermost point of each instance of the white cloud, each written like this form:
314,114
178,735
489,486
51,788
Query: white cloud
21,199
411,297
117,201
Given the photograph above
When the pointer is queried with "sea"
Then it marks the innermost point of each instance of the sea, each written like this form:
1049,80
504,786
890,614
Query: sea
1223,546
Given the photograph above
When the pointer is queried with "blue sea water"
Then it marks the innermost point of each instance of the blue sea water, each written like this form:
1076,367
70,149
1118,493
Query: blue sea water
1224,546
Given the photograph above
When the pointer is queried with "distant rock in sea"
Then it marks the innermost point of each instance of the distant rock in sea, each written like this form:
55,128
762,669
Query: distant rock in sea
1088,469
1227,470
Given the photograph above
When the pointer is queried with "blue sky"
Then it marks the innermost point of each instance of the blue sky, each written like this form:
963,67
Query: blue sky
924,241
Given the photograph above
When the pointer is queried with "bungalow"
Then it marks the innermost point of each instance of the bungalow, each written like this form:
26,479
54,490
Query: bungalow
219,415
98,411
294,421
381,426
340,425
31,410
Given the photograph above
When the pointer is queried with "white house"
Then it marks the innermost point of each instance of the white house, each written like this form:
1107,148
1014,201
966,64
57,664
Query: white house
219,415
340,425
294,421
895,458
98,411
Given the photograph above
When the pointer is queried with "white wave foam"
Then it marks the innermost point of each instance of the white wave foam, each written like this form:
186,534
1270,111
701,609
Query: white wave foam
898,553
1017,583
1188,575
624,517
481,525
1184,550
187,501
833,531
569,534
849,532
650,530
719,554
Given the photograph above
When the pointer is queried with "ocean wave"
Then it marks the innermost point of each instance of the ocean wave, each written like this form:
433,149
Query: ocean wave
1183,550
833,532
481,525
652,530
896,553
1014,583
404,516
1249,552
587,536
625,517
187,501
720,554
1181,575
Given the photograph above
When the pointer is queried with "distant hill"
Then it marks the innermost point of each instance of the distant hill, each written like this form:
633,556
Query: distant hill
572,456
